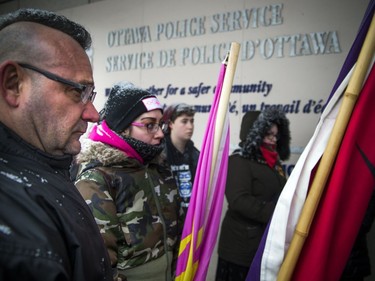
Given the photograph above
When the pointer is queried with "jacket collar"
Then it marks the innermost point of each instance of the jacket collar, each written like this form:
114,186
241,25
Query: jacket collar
13,144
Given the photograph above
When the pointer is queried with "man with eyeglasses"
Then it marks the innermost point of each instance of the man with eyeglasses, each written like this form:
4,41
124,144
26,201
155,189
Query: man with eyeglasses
47,231
130,190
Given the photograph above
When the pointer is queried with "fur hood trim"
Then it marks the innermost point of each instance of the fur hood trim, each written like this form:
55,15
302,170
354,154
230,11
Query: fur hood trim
260,128
105,155
93,151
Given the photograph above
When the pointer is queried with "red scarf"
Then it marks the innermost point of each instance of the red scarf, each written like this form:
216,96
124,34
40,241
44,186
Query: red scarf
270,155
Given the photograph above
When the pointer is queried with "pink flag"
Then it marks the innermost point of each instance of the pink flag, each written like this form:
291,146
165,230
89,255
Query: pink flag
203,218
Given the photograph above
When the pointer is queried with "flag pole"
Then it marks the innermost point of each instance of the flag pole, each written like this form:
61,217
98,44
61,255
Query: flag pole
224,101
312,201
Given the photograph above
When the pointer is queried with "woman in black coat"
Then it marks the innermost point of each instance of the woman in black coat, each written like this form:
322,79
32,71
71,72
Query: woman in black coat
254,182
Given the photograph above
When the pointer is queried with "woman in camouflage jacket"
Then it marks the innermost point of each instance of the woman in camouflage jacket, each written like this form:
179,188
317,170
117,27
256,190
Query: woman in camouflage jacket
134,199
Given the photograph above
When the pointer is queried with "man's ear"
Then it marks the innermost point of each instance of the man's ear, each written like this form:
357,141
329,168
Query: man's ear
10,77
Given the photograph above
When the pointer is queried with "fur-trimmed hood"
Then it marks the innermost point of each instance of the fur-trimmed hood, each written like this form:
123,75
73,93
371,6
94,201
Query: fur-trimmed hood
93,151
260,128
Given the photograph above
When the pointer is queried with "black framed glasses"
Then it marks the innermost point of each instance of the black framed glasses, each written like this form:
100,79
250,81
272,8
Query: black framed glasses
87,91
152,128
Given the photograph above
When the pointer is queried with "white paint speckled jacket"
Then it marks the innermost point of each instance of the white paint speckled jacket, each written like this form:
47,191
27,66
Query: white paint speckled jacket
47,231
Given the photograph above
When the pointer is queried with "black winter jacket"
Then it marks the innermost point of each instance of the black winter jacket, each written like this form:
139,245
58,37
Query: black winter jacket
183,166
252,189
47,231
252,192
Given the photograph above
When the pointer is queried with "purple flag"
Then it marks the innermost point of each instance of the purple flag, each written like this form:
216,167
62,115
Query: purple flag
204,213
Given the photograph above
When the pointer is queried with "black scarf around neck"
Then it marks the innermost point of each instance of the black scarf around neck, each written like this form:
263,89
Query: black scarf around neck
145,150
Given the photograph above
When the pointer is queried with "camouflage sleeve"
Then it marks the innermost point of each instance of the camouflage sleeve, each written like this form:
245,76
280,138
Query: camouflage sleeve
94,188
180,222
181,215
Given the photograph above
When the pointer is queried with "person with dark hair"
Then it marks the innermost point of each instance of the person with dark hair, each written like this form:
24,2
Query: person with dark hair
255,180
132,195
247,122
47,231
182,155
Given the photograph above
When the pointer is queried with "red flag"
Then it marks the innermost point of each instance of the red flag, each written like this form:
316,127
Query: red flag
347,194
324,259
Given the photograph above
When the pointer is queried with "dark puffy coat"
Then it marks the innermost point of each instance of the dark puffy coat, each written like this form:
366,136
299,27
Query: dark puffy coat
47,231
252,190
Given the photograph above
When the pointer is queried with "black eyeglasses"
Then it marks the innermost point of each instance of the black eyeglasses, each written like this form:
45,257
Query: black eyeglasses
87,91
152,128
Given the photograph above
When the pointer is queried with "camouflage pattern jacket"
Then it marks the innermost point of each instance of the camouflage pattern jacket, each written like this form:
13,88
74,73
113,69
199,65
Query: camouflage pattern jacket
136,206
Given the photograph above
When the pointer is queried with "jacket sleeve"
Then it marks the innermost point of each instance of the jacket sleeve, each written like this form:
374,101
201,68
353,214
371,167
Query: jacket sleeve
94,187
239,193
26,252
